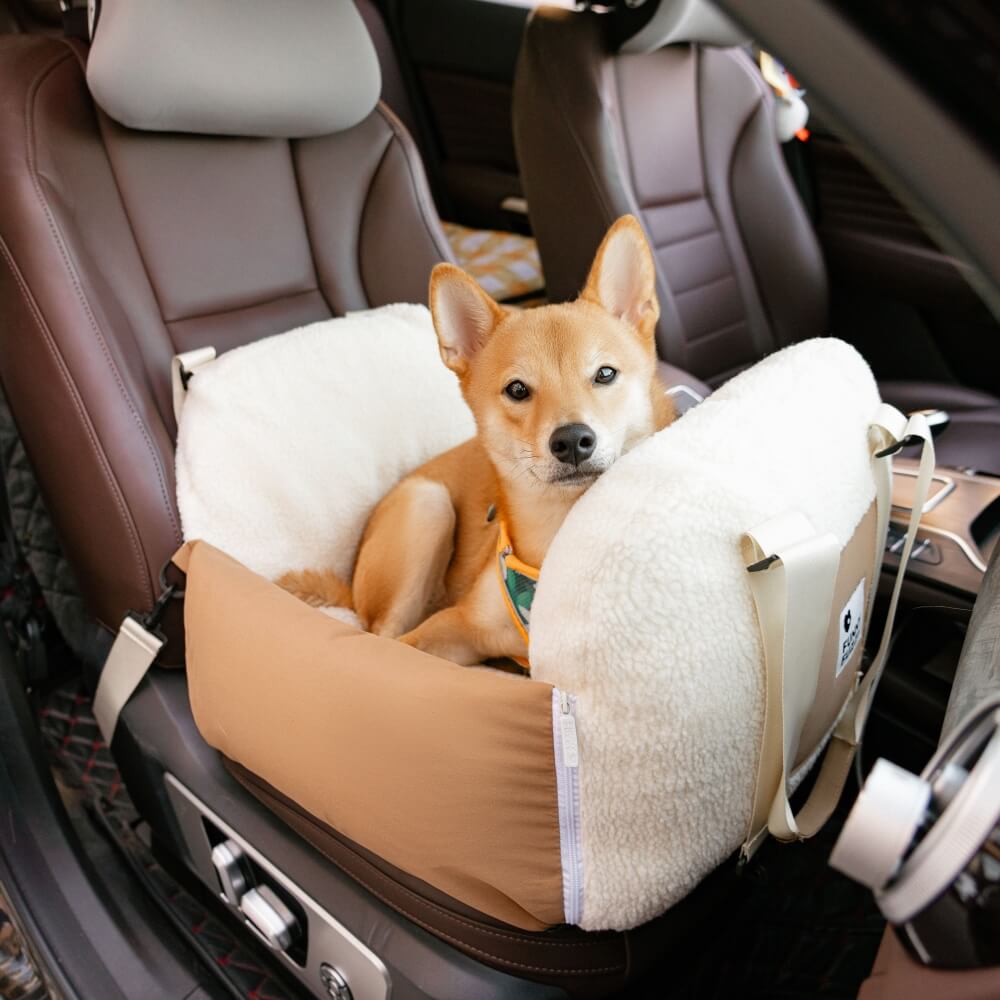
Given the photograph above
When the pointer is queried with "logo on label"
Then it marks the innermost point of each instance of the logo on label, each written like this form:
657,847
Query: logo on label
851,622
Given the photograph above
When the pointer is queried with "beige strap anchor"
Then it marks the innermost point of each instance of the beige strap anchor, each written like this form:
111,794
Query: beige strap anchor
134,650
182,367
792,575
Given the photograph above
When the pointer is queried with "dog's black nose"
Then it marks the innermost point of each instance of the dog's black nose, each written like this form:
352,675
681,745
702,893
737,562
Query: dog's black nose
573,443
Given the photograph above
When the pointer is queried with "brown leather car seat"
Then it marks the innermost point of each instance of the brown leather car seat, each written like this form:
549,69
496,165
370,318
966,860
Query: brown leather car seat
658,112
121,246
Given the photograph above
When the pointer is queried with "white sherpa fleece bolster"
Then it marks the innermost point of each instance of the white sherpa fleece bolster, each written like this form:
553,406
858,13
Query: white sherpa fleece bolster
285,445
643,611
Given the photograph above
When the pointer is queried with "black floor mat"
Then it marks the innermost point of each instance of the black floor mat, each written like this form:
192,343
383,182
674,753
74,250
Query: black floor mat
797,930
84,762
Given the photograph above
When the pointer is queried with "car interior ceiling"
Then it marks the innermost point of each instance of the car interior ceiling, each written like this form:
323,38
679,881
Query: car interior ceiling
481,91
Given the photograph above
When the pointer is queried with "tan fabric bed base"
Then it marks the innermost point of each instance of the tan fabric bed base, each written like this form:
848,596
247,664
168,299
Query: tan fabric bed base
445,772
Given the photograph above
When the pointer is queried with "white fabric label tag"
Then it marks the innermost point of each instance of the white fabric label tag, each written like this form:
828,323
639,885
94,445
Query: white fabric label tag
852,622
570,745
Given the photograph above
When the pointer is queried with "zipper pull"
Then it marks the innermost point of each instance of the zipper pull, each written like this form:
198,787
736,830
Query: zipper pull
567,728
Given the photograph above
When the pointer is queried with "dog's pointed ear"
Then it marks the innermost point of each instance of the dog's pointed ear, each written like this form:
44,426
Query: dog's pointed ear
622,278
464,315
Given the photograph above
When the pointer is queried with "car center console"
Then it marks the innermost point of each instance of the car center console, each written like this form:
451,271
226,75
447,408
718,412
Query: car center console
959,528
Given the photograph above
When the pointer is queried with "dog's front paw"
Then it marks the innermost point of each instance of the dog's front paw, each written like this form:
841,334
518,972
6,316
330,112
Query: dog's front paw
318,588
431,638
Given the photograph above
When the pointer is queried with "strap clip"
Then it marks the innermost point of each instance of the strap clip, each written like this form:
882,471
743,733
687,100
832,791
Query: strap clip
168,592
906,442
762,564
182,367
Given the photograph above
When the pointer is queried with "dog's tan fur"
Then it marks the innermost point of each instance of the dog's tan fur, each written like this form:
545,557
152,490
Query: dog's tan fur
426,570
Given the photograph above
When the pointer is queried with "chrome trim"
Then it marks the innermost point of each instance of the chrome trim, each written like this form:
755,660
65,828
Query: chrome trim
329,942
931,502
227,858
958,540
335,983
269,916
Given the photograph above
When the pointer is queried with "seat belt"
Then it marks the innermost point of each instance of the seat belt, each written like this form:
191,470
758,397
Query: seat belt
792,572
139,640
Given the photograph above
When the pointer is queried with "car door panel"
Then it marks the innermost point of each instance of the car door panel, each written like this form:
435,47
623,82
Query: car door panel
910,307
870,236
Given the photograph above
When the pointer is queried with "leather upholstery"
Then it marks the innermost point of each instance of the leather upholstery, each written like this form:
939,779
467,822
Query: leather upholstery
956,399
679,136
683,137
288,70
119,249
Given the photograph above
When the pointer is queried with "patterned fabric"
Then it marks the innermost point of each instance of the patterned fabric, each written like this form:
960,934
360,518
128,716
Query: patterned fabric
34,574
505,264
517,582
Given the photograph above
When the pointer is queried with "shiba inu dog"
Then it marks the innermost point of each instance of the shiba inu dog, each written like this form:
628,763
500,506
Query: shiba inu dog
559,393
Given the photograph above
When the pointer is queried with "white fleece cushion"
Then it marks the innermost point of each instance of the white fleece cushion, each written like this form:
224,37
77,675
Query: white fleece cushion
285,445
643,610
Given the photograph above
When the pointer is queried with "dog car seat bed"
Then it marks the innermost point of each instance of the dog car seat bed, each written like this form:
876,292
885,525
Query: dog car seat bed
675,697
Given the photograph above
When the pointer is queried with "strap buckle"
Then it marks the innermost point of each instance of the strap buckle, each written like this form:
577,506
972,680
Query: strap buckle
168,592
905,442
762,564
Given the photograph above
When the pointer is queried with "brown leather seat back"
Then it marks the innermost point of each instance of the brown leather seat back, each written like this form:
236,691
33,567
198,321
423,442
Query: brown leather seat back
120,248
683,137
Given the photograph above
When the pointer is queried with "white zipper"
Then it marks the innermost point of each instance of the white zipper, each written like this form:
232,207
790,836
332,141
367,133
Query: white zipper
567,757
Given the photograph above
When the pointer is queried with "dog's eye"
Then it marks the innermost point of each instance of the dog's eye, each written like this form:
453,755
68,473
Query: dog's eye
517,390
606,375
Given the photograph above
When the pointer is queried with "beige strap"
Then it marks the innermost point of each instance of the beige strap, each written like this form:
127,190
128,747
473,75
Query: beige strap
181,368
916,429
792,580
132,654
794,597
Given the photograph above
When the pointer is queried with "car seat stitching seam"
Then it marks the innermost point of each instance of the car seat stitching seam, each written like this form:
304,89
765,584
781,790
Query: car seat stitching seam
81,410
291,146
737,147
254,305
81,296
362,220
671,332
554,87
765,107
430,219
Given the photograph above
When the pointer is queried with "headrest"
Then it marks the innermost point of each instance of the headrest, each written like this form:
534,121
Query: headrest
680,21
219,67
